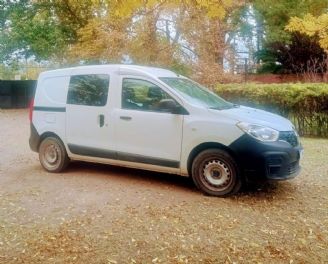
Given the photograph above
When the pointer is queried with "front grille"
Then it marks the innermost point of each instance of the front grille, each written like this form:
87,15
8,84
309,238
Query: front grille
293,167
274,160
290,137
274,163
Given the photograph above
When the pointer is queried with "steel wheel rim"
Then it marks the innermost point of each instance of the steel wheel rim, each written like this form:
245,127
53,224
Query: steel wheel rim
217,175
51,155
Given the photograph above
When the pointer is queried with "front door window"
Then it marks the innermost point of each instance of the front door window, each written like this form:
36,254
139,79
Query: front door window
144,96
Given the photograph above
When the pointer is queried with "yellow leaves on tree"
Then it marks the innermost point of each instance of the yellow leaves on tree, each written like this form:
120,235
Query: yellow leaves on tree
129,27
100,39
311,26
214,8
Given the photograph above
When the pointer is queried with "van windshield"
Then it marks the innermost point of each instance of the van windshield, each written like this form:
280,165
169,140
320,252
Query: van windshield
196,94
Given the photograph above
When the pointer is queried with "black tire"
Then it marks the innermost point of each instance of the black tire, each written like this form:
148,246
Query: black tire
216,173
52,154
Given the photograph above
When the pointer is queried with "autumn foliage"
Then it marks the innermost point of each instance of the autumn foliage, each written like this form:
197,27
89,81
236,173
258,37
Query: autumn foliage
311,26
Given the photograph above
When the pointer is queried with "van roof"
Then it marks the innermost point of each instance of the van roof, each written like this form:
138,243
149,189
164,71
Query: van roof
118,68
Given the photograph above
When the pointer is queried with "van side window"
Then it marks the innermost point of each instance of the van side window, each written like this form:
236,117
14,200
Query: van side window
91,90
143,95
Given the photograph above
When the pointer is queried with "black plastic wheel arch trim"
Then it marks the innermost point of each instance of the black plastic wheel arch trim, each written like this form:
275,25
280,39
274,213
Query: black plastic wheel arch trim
34,139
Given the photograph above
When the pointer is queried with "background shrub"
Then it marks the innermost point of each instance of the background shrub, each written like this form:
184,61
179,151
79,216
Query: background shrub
306,105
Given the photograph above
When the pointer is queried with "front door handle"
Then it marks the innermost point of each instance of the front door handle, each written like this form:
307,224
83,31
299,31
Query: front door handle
101,120
126,118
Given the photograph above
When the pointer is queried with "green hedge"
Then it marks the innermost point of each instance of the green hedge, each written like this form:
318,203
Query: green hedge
306,105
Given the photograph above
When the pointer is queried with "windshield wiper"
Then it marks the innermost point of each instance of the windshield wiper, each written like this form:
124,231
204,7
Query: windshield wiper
220,108
225,107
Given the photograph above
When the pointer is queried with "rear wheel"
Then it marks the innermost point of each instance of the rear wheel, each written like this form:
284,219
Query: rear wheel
216,173
52,155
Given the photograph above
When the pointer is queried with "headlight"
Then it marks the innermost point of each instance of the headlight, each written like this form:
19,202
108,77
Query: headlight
259,132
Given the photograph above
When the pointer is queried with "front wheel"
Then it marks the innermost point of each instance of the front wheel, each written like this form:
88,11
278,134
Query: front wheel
216,173
52,155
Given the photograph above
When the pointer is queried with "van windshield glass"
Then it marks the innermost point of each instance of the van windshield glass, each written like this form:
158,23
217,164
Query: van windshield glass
196,94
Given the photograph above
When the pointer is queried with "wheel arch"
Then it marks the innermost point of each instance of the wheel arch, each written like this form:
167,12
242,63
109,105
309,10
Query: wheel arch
204,146
49,134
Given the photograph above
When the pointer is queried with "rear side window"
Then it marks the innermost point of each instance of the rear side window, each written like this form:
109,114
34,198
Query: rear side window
90,90
54,90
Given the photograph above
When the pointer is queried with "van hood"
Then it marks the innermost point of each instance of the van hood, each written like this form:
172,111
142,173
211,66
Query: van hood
255,116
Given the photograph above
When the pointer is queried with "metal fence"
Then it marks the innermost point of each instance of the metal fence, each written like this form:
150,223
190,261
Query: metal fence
16,94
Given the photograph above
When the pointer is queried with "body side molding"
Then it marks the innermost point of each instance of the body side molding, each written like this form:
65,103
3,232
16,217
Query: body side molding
49,109
108,154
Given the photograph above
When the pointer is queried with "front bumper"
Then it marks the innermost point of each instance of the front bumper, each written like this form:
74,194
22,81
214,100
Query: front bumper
260,161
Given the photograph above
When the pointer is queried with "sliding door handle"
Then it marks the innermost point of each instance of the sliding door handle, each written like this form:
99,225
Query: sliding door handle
126,118
101,120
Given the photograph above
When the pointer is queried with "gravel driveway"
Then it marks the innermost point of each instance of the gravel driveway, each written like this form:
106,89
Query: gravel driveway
105,214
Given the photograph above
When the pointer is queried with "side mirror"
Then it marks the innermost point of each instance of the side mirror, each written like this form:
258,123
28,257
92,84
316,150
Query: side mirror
171,106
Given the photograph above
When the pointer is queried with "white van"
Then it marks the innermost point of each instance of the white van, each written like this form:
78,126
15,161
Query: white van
154,119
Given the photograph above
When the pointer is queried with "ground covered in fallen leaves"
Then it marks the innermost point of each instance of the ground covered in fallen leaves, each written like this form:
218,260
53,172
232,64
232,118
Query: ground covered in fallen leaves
105,214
